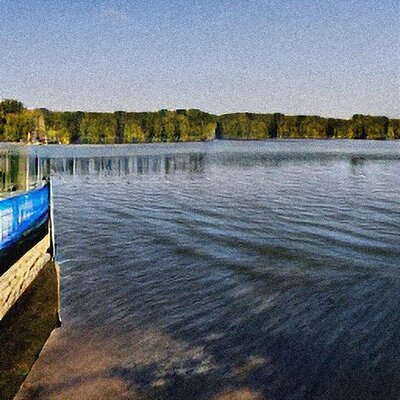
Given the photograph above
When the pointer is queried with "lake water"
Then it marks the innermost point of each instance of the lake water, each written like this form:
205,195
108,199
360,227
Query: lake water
267,270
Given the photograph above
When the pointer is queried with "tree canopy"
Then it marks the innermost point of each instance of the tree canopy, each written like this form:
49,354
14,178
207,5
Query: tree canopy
20,124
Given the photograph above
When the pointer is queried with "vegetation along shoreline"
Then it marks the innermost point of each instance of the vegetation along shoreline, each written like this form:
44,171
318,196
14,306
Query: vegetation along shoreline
19,124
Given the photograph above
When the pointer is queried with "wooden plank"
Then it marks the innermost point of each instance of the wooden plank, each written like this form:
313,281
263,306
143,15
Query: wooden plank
16,279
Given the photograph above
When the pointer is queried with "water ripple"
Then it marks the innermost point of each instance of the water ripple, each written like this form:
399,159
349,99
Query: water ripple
280,260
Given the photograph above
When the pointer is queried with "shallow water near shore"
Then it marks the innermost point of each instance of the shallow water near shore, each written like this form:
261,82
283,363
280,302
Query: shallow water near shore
267,270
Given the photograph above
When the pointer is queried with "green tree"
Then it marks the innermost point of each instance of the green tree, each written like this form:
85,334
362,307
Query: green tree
10,106
18,125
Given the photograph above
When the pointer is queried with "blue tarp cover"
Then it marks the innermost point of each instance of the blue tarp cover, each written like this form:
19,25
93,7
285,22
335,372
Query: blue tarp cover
22,213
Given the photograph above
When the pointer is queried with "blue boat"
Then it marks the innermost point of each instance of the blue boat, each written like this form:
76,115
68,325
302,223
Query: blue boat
25,219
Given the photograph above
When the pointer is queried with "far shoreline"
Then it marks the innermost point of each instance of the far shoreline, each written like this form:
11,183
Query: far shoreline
43,126
276,140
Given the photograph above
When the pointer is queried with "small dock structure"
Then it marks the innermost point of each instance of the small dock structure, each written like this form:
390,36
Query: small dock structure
29,282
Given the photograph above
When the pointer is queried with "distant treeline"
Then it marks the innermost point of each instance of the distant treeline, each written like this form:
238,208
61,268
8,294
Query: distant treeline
20,124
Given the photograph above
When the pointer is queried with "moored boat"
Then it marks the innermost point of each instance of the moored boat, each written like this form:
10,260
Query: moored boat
29,283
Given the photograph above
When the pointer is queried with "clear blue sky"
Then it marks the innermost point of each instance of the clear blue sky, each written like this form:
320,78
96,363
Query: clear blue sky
326,57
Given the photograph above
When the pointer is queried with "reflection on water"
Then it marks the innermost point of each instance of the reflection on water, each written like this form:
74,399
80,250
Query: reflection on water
213,270
24,171
125,165
19,171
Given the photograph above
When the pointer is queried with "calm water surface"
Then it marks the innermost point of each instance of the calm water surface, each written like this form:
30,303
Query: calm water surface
266,269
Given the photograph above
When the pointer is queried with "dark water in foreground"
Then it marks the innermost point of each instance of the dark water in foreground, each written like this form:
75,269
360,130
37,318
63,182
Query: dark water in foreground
270,270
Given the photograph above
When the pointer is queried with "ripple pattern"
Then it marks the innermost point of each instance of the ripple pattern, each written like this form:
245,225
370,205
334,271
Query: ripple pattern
278,260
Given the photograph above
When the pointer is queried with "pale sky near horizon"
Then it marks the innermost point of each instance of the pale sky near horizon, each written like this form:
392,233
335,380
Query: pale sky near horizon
318,57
